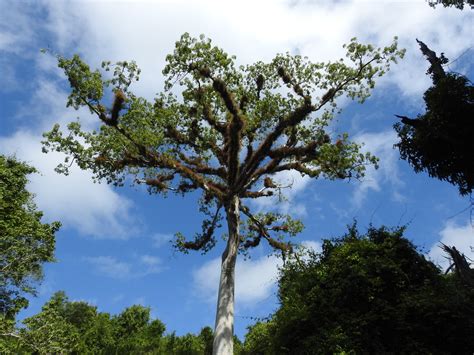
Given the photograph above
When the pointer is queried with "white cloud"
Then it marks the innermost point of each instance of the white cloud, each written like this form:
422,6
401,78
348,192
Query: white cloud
316,29
313,28
292,183
254,282
255,278
312,245
17,31
153,264
462,237
381,145
141,266
92,209
98,31
160,239
111,267
150,260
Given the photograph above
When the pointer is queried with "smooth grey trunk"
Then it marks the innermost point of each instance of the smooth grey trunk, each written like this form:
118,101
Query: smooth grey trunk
224,328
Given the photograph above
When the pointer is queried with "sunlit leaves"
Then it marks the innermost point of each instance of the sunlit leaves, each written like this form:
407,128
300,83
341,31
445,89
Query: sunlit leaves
26,243
217,127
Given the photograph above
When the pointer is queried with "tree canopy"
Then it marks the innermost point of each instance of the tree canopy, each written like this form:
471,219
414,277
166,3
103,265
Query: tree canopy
449,3
230,132
372,293
441,141
25,243
76,327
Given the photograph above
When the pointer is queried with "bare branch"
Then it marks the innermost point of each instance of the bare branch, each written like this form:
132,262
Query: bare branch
436,63
256,194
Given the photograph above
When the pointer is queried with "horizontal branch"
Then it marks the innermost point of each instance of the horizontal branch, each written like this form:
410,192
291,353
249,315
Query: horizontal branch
152,159
160,182
197,165
298,166
296,152
256,194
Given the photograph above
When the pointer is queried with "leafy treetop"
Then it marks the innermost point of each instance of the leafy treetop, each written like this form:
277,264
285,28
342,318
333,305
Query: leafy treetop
370,293
441,141
25,243
231,130
448,3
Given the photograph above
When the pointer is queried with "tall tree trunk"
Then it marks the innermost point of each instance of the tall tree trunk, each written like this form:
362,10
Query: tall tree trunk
224,328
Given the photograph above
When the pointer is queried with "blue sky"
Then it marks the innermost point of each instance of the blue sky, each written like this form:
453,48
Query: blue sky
113,250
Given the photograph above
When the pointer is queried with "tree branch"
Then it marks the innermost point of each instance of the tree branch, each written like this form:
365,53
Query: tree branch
298,115
284,247
202,168
436,63
201,240
256,194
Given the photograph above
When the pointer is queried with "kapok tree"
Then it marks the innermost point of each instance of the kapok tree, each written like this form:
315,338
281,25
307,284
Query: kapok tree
229,133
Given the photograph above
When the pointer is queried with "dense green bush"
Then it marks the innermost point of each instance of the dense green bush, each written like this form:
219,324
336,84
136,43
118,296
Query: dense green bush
372,293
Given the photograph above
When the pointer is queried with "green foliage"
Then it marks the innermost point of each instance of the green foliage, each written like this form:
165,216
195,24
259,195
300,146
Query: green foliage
372,293
441,141
259,339
25,244
77,327
449,3
135,332
276,113
231,130
50,331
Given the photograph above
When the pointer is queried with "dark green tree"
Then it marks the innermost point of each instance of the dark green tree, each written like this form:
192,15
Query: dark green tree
228,134
448,3
372,293
441,141
136,332
259,339
25,242
207,336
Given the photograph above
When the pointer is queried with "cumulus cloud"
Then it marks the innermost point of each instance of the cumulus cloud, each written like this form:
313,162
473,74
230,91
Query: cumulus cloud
292,183
110,266
312,245
255,278
254,282
379,144
141,266
271,26
146,31
460,236
16,30
92,209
